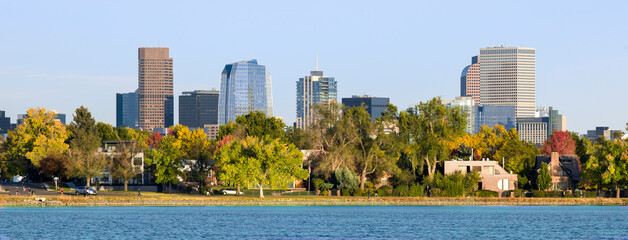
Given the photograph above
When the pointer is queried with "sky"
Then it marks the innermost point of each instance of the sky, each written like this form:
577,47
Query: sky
61,55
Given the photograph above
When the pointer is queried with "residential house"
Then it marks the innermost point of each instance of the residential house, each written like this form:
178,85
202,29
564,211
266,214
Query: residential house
492,176
564,169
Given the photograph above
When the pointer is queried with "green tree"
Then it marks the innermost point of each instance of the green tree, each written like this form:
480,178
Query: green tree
369,144
106,132
301,138
255,124
261,163
40,136
345,178
197,150
124,166
544,179
583,147
334,137
608,165
167,159
85,160
429,128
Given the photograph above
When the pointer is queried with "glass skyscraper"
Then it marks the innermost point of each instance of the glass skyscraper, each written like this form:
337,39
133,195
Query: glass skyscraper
127,110
198,108
245,87
375,106
313,90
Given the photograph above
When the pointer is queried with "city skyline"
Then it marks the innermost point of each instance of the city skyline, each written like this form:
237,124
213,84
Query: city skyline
580,54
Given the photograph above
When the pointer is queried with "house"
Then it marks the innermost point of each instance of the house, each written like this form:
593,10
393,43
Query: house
109,151
564,169
492,176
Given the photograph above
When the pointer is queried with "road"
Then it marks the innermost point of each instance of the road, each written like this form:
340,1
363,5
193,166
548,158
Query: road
39,189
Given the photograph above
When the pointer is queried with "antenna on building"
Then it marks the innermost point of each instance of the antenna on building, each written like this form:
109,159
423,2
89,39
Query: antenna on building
316,60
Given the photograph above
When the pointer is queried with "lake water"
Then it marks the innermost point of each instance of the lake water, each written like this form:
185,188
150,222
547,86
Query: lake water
317,222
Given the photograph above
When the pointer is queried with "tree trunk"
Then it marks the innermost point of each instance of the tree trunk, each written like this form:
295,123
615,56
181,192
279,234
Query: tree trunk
126,185
617,189
261,191
89,180
363,178
238,190
169,187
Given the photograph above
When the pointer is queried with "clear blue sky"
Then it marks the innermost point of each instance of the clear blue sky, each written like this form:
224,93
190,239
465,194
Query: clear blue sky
61,55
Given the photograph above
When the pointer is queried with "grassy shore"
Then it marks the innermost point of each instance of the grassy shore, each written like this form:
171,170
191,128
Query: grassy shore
160,199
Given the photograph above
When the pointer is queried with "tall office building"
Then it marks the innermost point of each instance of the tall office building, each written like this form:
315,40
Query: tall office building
245,87
5,123
198,108
374,105
468,107
127,109
155,77
313,90
507,78
470,81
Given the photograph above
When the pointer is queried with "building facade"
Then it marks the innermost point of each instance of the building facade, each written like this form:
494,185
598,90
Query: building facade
127,110
564,170
470,81
492,176
245,87
374,105
487,115
313,90
507,78
198,108
156,96
605,132
534,130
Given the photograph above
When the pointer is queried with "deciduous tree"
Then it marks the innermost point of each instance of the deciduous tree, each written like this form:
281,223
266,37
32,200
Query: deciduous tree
124,165
167,159
560,142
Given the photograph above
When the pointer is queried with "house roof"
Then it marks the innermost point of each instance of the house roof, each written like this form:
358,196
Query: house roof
569,163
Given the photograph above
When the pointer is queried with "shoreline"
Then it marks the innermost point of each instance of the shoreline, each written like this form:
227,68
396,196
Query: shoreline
193,200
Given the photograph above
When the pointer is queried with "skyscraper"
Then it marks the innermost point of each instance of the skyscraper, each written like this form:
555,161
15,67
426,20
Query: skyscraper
374,105
155,77
245,86
313,90
198,108
470,81
507,78
127,113
5,123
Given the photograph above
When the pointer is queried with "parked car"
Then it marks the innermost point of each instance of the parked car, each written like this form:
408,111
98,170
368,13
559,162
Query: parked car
231,192
86,191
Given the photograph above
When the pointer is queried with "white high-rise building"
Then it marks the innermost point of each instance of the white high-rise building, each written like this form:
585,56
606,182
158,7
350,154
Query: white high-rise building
507,78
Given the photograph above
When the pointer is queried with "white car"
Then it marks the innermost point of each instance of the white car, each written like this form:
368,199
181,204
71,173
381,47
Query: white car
86,191
231,192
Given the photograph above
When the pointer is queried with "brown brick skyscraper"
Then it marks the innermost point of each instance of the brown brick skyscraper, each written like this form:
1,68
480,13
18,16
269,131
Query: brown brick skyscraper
156,95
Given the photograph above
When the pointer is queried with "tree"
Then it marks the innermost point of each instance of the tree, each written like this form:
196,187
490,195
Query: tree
583,147
608,165
369,144
85,161
196,149
255,124
167,159
560,142
124,165
301,138
544,179
333,137
106,132
428,129
260,162
40,136
345,178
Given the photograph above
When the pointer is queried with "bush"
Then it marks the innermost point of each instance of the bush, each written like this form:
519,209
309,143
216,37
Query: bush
484,193
318,182
325,186
590,194
538,193
416,190
519,193
384,191
357,191
401,191
345,192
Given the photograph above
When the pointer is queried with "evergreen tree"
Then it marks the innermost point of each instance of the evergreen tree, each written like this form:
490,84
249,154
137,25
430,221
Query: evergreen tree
85,161
544,179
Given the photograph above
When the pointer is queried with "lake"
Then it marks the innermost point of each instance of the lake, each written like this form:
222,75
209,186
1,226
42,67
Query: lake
317,222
